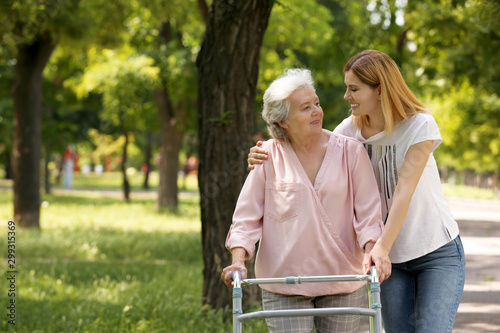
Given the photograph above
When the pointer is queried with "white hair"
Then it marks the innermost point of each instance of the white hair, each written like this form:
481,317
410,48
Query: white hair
276,108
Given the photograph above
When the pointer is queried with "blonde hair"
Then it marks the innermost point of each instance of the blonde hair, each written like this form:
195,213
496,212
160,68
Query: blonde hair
276,107
375,68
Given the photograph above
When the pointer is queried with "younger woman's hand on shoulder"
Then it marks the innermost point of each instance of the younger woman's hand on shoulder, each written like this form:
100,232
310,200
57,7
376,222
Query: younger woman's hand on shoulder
257,155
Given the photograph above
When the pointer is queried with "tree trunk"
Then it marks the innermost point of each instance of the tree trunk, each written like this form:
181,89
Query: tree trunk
171,141
125,183
27,98
172,132
147,162
8,165
60,162
227,80
46,174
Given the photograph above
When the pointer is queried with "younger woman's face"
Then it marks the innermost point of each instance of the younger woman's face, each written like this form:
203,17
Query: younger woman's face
363,98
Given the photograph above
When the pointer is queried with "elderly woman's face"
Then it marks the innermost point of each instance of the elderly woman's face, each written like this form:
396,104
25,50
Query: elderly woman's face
306,114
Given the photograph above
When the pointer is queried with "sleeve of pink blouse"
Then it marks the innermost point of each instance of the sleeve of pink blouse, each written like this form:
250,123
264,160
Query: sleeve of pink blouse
246,228
367,210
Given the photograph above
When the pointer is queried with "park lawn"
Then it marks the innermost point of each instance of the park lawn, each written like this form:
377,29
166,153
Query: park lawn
464,191
114,180
102,265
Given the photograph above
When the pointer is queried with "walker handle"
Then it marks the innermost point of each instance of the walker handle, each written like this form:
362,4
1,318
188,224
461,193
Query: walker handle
374,274
236,276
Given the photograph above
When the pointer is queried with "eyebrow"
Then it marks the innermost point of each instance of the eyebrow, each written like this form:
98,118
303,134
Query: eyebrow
305,103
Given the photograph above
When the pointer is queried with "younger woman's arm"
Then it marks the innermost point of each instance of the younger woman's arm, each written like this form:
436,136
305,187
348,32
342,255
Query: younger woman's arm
414,163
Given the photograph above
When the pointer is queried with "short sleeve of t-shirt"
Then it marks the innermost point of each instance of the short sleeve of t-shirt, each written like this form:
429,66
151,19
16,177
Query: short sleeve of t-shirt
426,129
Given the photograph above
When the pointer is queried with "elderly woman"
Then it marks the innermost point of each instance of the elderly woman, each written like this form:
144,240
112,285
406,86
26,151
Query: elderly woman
314,206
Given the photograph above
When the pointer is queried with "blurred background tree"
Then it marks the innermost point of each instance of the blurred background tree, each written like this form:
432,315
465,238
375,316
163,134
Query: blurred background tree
125,80
30,32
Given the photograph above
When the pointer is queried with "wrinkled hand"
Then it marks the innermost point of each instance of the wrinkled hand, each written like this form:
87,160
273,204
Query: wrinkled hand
227,273
378,257
256,155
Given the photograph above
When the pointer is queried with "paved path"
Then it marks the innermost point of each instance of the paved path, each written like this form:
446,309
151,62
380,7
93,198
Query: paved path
479,222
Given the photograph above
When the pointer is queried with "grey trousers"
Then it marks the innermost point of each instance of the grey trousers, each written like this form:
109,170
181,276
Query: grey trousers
338,323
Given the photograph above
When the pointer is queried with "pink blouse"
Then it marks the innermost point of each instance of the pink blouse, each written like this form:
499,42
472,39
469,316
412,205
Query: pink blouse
308,229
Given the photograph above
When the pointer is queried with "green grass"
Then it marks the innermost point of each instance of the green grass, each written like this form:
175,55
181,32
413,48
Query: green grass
464,191
101,265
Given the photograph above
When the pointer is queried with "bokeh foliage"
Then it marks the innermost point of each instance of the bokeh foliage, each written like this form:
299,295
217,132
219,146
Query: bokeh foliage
447,51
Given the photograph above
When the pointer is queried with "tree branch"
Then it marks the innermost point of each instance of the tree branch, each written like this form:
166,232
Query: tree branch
166,31
202,4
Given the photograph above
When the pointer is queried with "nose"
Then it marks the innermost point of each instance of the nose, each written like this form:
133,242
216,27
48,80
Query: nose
317,109
347,95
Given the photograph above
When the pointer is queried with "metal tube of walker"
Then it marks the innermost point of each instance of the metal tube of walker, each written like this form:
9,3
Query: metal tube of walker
376,303
237,301
306,279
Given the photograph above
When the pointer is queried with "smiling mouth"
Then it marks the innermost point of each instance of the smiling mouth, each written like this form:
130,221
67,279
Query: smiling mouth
354,105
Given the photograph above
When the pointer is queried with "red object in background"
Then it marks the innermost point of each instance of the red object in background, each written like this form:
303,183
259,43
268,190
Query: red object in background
68,153
76,167
108,164
192,164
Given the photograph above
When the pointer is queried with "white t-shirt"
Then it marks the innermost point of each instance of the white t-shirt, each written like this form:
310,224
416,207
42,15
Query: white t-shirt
429,223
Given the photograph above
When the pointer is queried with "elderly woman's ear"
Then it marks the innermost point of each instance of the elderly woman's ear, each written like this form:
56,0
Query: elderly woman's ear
283,125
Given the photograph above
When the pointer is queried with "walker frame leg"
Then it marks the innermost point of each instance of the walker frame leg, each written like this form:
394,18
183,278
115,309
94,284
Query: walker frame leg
237,302
375,304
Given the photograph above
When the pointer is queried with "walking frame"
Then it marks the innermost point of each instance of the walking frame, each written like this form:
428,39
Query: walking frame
374,312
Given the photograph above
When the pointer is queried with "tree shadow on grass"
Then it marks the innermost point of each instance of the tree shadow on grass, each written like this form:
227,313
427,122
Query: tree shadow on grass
77,296
75,315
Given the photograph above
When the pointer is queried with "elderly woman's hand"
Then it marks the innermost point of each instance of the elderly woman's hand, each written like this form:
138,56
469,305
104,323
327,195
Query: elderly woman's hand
376,255
227,273
238,264
257,155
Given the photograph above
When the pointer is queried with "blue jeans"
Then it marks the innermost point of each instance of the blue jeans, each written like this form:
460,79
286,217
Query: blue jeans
422,295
